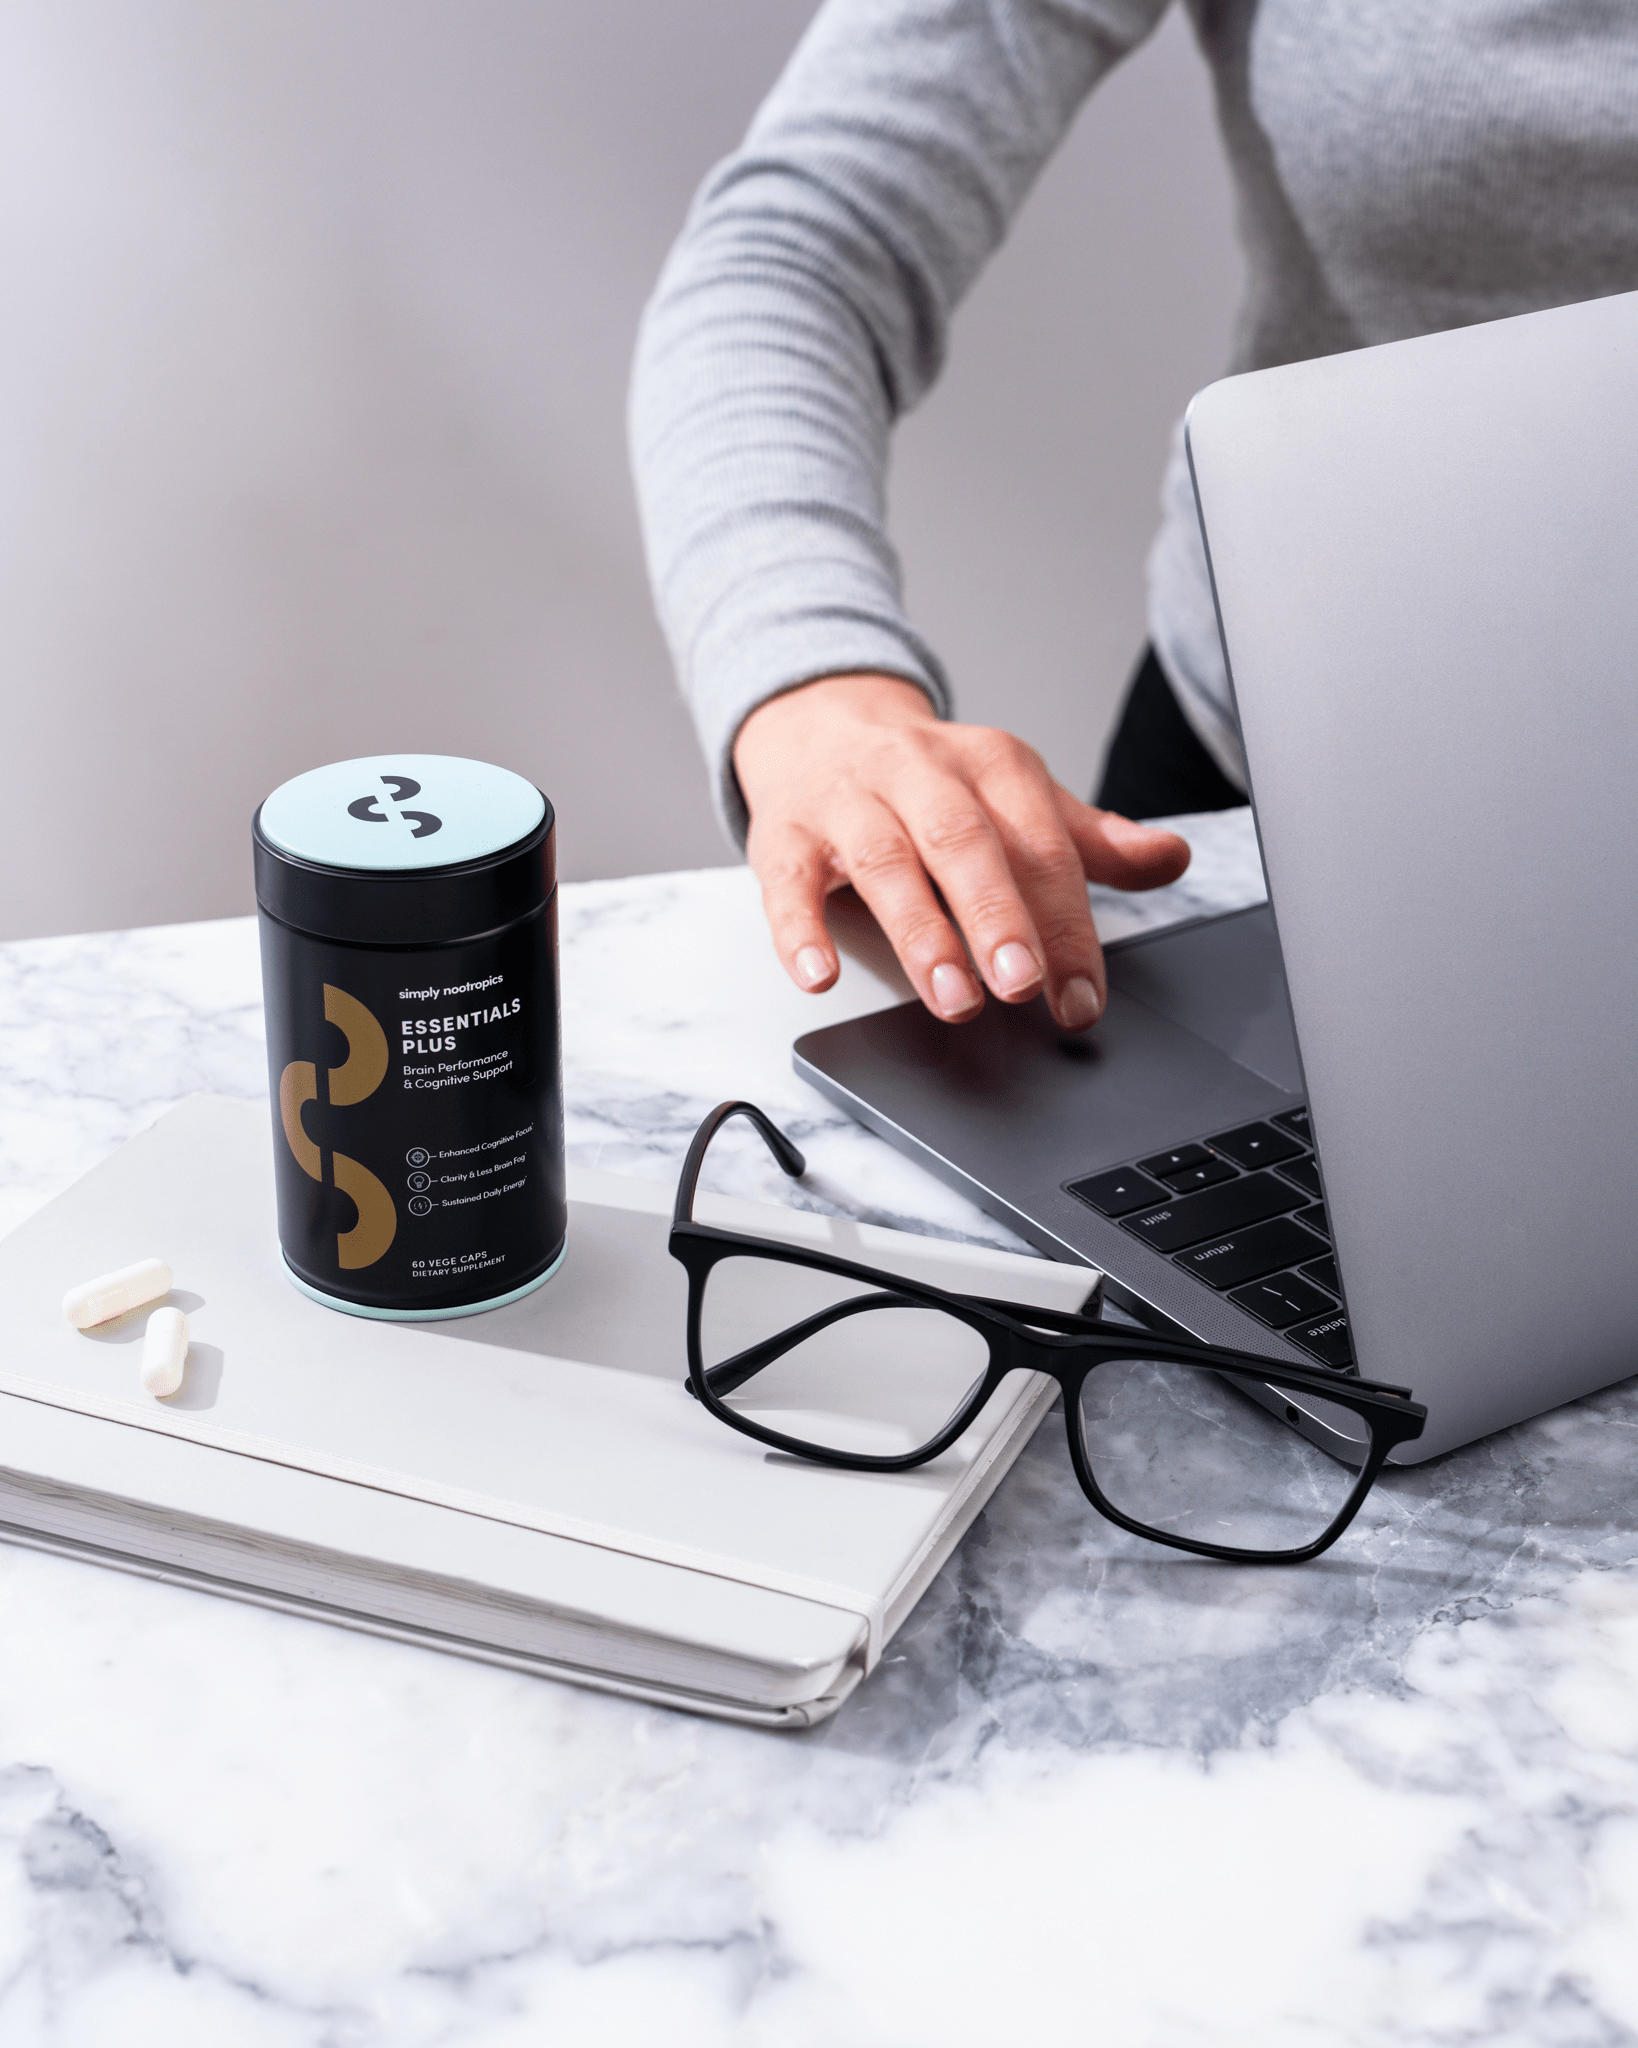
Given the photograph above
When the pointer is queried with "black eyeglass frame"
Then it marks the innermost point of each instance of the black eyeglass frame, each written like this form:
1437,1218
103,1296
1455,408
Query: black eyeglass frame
1065,1347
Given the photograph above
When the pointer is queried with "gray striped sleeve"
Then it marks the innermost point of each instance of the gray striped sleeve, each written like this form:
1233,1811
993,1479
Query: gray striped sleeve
806,305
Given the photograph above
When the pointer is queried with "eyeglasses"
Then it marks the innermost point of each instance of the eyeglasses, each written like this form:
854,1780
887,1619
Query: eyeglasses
1187,1444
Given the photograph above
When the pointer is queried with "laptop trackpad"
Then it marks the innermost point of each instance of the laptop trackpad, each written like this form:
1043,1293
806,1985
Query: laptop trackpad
1223,980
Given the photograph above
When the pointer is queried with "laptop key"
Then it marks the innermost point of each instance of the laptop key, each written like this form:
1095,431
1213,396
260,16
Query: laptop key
1120,1192
1174,1162
1316,1219
1323,1272
1206,1176
1256,1145
1283,1298
1304,1174
1238,1203
1296,1122
1325,1338
1226,1261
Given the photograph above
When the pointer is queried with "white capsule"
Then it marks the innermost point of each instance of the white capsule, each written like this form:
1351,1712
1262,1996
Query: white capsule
164,1351
112,1294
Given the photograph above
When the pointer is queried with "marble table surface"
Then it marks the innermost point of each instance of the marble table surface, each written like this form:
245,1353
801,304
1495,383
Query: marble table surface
1091,1796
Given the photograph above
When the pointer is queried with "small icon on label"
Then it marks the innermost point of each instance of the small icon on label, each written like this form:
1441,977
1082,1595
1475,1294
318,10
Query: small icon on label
420,1182
420,1206
417,1155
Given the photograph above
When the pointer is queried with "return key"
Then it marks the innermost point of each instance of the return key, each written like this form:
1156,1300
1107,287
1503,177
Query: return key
1249,1254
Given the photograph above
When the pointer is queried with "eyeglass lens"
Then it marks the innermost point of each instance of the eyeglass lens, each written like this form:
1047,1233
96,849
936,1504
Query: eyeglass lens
838,1365
1182,1450
831,1362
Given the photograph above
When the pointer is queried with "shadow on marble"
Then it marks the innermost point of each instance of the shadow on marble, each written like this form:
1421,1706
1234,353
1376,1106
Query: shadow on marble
1051,1626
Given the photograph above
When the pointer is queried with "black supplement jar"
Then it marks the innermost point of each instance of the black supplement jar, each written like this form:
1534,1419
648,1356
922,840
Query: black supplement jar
408,913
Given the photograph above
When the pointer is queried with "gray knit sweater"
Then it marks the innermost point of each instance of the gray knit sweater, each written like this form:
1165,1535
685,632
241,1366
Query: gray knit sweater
1400,165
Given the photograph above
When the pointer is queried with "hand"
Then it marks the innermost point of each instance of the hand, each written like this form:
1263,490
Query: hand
855,779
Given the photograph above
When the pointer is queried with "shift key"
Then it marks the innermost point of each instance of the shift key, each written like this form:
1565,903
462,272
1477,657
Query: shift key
1215,1212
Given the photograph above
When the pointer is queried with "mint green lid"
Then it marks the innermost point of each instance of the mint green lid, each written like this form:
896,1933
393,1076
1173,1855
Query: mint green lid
401,811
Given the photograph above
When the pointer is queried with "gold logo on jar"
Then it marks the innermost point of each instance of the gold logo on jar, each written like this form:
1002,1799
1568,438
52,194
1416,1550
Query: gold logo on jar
358,1076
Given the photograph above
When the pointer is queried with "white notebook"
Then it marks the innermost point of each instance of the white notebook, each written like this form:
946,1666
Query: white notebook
533,1486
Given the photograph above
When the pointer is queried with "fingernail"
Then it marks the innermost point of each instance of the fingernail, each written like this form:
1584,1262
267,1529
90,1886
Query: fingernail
954,991
1014,967
1079,1003
811,967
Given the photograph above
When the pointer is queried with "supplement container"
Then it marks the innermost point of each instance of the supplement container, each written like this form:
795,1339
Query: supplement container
408,912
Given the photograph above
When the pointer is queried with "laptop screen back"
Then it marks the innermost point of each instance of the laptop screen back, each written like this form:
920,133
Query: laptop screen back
1425,559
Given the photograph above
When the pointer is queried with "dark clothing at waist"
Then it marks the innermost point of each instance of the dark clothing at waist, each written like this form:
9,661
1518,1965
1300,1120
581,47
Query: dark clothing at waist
1157,766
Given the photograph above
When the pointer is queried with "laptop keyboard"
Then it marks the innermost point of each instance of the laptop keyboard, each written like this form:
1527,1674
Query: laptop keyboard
1240,1212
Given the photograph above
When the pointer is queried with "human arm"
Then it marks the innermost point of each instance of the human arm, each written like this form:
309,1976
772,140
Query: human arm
806,307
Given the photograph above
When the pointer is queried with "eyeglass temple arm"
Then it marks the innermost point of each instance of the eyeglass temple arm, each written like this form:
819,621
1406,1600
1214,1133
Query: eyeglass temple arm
772,1136
1068,1322
733,1372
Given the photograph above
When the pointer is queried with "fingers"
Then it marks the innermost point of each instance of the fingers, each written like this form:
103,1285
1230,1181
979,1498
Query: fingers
1045,866
801,760
996,844
927,834
972,859
877,851
796,875
874,852
1010,878
1117,851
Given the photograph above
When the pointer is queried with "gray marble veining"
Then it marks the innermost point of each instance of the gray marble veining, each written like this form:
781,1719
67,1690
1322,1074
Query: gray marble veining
1095,1792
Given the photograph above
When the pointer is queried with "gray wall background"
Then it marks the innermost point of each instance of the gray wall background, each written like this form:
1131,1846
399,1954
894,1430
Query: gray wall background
315,328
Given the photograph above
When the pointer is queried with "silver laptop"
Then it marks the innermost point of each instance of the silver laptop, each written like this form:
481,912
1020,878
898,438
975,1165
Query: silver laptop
1389,1122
